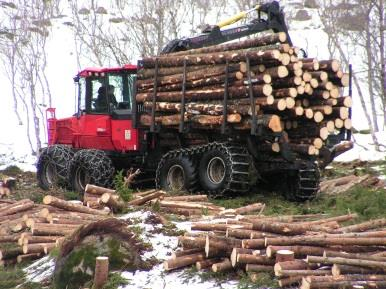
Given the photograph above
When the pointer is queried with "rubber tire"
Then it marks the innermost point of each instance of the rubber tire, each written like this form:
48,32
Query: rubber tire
190,173
56,158
97,167
206,183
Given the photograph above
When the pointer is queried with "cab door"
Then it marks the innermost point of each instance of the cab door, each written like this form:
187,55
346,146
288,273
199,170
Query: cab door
124,136
93,115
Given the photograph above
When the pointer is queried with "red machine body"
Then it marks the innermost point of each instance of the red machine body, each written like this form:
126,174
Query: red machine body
109,130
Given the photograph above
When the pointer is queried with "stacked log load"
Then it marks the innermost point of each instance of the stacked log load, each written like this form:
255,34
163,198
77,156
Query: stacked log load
315,251
303,96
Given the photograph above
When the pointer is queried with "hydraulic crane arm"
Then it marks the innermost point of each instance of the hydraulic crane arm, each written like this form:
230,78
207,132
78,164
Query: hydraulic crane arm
273,20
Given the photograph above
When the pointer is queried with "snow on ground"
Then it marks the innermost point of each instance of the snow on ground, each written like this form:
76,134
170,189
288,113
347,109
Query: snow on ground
364,149
163,246
157,277
40,270
10,154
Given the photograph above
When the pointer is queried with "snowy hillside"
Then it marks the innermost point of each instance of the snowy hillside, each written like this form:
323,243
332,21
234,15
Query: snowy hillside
307,32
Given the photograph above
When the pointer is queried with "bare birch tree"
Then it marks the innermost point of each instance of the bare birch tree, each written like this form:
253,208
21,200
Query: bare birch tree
23,53
354,23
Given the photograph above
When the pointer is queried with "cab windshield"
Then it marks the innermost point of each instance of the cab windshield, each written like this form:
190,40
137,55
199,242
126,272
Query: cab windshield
106,93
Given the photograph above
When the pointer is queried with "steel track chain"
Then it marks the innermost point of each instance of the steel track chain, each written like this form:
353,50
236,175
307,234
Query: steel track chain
308,182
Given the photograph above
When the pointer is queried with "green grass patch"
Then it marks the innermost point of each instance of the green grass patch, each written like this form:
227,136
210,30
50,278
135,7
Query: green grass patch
70,195
12,171
368,203
262,280
115,280
11,277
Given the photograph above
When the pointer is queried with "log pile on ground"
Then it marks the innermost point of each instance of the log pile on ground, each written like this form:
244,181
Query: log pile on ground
262,76
183,205
343,184
315,251
29,231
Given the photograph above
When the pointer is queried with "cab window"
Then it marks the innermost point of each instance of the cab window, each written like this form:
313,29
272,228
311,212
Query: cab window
122,88
82,95
99,96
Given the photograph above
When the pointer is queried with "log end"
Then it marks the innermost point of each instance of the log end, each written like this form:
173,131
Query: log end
282,37
47,200
267,89
275,124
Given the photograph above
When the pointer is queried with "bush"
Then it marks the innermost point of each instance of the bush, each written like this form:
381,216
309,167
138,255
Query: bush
123,191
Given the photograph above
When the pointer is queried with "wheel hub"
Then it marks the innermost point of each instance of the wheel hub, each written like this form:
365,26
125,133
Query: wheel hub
176,178
81,178
216,170
50,173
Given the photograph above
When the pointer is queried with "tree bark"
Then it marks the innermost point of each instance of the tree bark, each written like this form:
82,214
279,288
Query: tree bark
147,198
251,259
290,265
205,264
279,228
101,272
214,58
192,242
329,65
192,198
239,233
290,273
188,205
326,241
212,227
96,190
183,212
28,257
346,261
177,254
258,268
183,261
237,251
113,201
365,226
289,281
17,207
212,108
284,255
38,239
43,248
218,247
261,42
253,243
222,266
338,270
354,256
53,201
207,94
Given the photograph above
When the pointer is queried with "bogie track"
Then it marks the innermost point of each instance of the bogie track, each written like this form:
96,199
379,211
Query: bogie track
222,167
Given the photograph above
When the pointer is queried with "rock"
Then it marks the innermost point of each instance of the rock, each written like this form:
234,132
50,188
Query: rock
101,10
302,15
84,11
312,4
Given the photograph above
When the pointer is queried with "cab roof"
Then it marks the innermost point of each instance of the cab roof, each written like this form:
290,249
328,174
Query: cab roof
92,70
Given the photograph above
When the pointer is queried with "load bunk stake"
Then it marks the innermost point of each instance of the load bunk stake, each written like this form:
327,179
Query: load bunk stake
348,136
152,126
225,100
182,119
135,105
252,98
